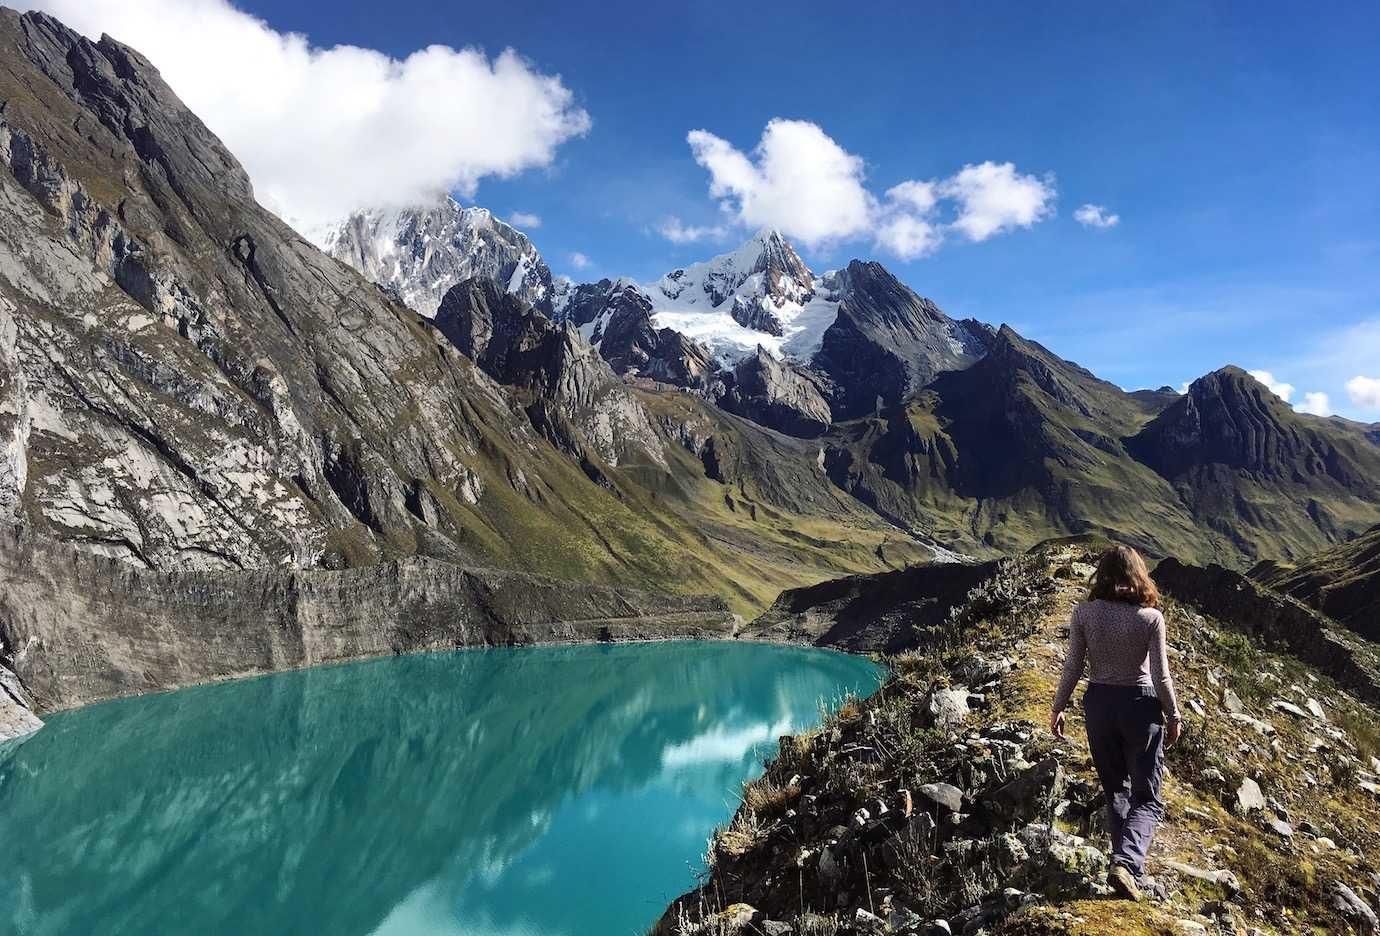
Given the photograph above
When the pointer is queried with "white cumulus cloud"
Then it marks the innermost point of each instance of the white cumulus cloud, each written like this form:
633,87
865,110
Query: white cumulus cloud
1096,216
677,233
915,195
1278,387
322,131
1315,402
800,181
578,260
1364,391
524,219
908,236
797,180
994,198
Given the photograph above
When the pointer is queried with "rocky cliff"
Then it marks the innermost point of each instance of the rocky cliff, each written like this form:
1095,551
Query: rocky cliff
778,394
77,628
887,342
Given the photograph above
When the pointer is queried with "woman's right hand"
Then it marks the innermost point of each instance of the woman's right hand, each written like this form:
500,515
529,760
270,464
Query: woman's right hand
1172,729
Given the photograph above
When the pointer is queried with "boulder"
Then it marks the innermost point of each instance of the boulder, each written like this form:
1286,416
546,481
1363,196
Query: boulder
946,708
945,795
1352,908
1031,794
1248,797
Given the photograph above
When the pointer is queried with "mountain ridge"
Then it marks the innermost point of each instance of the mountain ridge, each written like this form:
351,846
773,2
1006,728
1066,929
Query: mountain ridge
188,383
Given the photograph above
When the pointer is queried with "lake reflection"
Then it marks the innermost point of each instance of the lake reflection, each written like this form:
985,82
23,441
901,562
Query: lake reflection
532,791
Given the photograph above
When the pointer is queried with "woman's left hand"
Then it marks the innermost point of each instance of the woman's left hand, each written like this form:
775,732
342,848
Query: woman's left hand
1056,725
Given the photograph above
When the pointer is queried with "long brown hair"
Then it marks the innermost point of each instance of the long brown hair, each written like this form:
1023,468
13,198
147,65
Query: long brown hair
1121,576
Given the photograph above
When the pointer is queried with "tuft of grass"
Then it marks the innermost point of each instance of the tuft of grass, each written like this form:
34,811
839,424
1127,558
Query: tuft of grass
767,799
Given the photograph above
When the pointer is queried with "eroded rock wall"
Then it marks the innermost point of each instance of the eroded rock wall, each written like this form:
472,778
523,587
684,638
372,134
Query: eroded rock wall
78,628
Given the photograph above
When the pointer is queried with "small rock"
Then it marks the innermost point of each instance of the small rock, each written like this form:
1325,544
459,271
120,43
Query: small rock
905,803
1263,727
1282,828
1221,877
1248,797
1190,928
940,928
947,707
1315,709
736,916
943,794
828,867
1232,702
776,928
1283,706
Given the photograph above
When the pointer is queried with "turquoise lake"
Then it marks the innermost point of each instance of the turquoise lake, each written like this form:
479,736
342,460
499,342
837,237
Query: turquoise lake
508,792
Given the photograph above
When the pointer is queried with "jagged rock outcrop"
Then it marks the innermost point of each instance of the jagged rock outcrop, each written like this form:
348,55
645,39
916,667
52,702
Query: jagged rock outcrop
1342,582
887,342
78,628
16,713
420,253
616,317
517,345
779,395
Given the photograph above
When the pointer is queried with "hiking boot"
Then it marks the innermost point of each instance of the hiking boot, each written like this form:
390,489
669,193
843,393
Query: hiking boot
1123,883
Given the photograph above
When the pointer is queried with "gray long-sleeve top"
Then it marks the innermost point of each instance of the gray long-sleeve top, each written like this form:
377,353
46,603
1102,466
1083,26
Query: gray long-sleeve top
1122,645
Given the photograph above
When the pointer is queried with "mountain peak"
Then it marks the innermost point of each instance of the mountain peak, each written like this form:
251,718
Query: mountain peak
422,251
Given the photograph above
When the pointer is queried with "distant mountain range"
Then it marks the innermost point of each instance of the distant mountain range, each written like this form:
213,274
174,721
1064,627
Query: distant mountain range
963,433
187,383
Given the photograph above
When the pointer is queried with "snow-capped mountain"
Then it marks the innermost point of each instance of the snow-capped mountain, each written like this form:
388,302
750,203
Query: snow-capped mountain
760,294
420,253
865,335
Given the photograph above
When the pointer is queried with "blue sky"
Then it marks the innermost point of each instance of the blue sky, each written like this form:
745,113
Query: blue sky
1239,147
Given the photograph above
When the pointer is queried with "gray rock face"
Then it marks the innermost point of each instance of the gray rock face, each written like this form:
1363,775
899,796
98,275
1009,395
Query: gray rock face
189,384
185,383
1248,797
779,395
756,315
16,717
617,319
887,342
517,345
79,628
422,252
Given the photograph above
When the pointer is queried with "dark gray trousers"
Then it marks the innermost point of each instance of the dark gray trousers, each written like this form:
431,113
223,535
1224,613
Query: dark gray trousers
1126,735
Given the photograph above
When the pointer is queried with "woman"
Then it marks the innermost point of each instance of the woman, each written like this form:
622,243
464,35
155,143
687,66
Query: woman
1129,708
